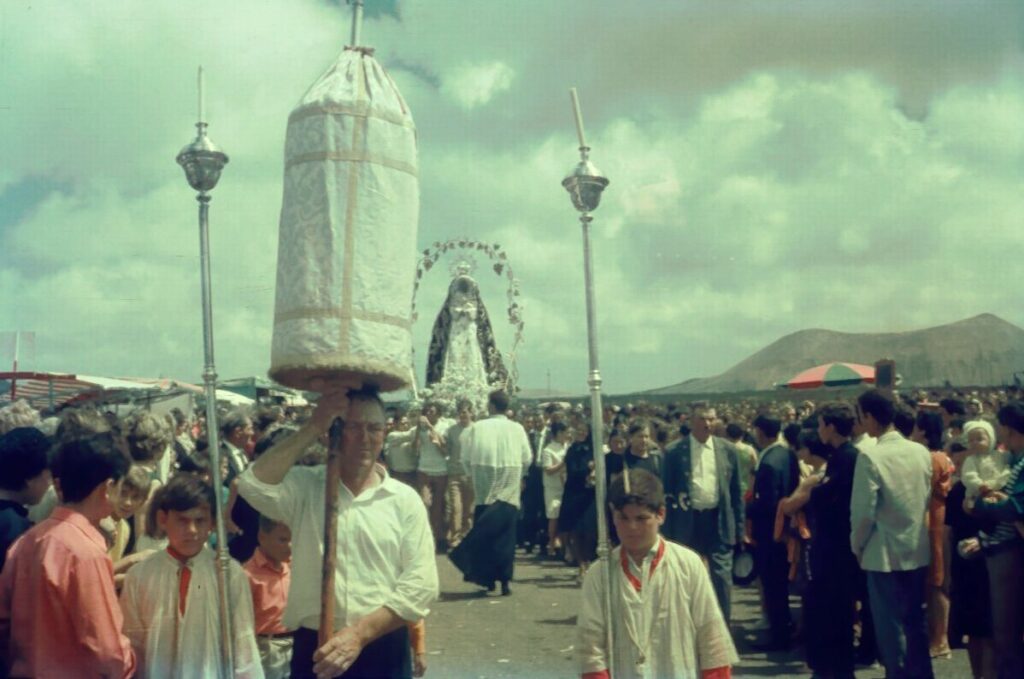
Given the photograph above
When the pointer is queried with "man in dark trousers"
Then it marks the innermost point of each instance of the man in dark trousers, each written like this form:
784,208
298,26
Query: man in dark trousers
701,476
776,478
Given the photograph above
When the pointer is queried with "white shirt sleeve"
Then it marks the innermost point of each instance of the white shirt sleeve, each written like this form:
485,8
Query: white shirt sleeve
280,501
591,625
970,474
246,654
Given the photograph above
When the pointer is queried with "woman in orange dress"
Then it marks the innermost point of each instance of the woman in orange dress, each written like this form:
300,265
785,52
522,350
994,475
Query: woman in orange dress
928,432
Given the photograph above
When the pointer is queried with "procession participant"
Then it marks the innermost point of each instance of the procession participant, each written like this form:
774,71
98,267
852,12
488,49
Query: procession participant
170,603
24,480
667,622
269,572
128,497
829,603
399,452
553,465
460,490
776,477
577,517
497,451
236,432
432,470
705,507
386,576
1004,548
58,611
892,485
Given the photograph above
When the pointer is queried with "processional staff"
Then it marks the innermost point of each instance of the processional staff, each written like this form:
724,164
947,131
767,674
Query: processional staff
203,162
585,184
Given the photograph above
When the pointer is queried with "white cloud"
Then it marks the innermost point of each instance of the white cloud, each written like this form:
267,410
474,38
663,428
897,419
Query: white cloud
472,86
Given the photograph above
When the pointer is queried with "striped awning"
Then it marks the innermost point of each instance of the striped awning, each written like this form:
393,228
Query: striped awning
49,390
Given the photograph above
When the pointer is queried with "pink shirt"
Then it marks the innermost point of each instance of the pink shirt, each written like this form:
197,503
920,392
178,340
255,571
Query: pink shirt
57,603
269,592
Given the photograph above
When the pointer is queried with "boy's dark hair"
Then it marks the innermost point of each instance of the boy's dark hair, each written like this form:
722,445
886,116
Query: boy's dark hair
957,423
953,406
840,415
957,447
1012,415
769,426
181,493
81,465
645,490
557,428
22,457
930,424
878,405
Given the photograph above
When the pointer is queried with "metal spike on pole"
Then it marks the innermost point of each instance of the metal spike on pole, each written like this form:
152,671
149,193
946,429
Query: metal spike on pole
585,184
357,21
203,162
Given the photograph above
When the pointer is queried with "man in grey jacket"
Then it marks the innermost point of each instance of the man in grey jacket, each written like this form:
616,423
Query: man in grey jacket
889,536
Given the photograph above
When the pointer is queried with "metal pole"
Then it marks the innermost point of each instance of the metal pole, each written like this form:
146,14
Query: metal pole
212,435
597,437
357,21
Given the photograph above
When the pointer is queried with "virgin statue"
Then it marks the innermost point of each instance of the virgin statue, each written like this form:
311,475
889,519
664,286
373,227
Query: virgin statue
463,356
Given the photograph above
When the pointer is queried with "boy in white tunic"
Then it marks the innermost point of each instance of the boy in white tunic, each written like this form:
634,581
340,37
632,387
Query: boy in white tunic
170,600
667,622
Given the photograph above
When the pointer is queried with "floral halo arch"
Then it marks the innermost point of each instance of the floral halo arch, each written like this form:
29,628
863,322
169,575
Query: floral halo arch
430,256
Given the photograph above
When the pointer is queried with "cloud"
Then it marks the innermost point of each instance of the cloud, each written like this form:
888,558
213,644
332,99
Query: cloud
855,167
476,85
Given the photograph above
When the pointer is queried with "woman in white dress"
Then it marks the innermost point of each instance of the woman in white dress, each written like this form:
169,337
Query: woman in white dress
552,461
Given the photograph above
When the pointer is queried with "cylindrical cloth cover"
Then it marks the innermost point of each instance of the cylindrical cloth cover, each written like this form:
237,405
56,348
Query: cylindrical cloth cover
346,254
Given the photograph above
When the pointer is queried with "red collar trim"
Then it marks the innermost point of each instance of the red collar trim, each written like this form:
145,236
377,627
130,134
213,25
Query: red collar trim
178,555
633,580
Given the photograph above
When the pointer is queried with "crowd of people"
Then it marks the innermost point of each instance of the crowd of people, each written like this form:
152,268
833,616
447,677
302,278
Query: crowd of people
899,522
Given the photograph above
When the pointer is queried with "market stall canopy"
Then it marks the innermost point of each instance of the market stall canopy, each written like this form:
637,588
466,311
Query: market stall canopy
54,390
833,375
47,389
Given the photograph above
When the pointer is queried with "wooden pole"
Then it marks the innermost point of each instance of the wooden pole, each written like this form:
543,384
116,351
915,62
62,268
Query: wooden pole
330,561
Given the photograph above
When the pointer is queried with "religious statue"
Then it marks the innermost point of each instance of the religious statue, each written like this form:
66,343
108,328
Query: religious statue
463,359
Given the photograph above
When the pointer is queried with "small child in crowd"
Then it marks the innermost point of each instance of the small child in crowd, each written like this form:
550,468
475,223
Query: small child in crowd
269,572
128,496
171,610
657,580
986,470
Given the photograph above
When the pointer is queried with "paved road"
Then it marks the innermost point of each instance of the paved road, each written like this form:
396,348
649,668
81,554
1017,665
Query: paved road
532,633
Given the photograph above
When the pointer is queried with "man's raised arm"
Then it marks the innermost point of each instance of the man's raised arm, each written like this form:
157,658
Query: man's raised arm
272,466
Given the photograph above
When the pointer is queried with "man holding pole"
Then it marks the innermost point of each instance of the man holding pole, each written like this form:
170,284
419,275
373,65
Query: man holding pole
385,574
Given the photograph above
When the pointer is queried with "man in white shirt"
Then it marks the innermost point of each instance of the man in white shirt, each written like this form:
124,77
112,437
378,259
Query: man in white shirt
236,431
386,574
497,452
889,536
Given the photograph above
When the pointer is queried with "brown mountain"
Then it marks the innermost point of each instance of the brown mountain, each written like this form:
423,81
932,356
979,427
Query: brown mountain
984,350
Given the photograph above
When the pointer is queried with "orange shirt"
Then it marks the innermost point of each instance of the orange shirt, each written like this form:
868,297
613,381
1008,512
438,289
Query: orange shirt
269,592
57,603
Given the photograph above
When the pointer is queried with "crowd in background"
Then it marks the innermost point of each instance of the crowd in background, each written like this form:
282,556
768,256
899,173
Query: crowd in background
785,454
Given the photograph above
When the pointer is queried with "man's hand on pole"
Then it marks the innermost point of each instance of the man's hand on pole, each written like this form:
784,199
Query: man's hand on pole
338,654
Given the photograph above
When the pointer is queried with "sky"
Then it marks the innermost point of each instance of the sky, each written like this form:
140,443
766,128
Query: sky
774,166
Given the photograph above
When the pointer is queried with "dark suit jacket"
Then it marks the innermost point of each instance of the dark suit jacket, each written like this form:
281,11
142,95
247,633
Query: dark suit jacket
676,473
777,477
